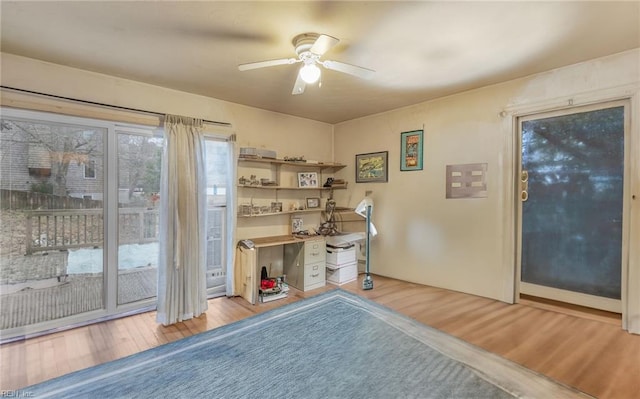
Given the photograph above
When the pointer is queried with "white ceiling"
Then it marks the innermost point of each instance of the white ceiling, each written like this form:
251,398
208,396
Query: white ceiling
420,50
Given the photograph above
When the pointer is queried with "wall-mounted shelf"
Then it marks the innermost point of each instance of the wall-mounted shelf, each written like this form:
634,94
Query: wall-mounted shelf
323,166
292,188
281,177
257,215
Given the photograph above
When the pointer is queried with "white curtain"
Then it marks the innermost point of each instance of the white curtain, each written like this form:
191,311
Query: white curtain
181,267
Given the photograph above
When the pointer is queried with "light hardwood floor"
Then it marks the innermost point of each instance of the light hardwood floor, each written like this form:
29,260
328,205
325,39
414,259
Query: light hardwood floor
586,350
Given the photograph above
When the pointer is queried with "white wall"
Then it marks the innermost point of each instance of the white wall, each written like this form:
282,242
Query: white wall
287,135
467,244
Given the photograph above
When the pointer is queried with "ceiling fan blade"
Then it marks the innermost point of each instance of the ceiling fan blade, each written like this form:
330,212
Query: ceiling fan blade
264,64
348,68
323,43
298,87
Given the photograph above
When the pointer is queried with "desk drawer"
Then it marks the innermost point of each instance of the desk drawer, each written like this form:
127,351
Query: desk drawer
314,251
314,275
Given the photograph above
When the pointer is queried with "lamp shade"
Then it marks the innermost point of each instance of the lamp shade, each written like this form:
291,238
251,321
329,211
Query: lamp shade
361,210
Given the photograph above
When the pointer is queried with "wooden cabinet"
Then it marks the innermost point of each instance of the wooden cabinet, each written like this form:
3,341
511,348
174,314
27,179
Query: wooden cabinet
304,264
268,187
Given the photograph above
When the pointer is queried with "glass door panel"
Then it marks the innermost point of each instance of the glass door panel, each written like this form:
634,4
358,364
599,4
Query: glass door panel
217,169
51,213
572,182
139,165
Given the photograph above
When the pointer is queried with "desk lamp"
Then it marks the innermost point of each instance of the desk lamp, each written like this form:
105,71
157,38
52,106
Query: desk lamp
364,209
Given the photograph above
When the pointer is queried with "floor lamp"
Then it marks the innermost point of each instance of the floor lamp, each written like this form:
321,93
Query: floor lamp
364,209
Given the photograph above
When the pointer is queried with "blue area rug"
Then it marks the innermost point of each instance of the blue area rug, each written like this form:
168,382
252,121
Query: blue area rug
334,345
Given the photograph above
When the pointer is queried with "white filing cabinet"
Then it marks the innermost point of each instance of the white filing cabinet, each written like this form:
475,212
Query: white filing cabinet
304,264
342,265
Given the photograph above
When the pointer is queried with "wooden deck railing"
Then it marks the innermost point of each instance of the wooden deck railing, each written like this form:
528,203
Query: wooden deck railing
48,230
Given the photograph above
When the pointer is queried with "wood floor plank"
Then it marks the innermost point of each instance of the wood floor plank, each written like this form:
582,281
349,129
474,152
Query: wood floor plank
586,350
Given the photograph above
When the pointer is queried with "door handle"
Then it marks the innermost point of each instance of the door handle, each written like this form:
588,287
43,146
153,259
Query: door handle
524,185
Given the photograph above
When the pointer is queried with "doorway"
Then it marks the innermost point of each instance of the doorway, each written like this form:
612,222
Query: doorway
572,178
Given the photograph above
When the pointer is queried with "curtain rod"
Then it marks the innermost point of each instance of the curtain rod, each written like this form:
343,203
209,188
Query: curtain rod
105,105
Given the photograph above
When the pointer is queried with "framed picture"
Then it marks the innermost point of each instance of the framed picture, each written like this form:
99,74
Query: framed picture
313,202
308,179
411,150
372,167
296,225
276,207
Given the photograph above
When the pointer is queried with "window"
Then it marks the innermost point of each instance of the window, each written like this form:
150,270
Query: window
87,236
49,214
85,193
139,164
90,169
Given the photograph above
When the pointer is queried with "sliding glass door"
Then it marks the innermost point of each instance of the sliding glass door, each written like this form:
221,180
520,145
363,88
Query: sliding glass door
78,213
217,155
52,186
79,203
139,165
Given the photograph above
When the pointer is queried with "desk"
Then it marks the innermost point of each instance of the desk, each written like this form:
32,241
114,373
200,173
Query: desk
303,261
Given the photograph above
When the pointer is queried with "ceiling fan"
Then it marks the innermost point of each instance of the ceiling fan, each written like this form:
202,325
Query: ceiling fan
310,47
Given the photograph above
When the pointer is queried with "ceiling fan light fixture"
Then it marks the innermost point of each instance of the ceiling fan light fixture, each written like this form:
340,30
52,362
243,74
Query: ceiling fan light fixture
310,73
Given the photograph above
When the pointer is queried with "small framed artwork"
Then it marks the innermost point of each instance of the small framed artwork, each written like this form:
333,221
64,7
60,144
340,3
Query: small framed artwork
307,179
372,167
297,225
276,207
313,202
411,150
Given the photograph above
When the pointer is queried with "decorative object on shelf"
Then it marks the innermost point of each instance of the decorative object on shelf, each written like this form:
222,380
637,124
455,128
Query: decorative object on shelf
372,167
313,202
295,159
297,225
244,209
256,153
251,181
364,209
307,179
276,207
295,206
334,183
411,150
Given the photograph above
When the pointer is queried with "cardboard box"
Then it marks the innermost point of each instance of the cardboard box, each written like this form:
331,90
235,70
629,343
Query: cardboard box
341,256
342,274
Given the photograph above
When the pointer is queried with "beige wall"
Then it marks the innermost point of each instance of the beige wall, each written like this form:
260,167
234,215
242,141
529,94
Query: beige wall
287,135
467,244
464,245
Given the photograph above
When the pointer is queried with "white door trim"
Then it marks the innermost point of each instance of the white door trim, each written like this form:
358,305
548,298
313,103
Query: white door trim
509,166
